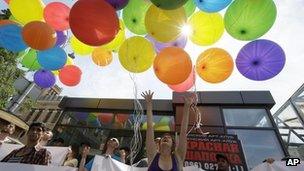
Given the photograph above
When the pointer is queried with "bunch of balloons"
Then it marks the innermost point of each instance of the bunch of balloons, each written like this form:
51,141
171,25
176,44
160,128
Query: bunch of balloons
42,35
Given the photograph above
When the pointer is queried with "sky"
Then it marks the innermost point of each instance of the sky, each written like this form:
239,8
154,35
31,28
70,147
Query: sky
113,81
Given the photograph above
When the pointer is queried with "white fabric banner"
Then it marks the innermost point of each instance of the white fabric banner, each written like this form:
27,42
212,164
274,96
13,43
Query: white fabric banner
107,164
58,153
278,166
30,167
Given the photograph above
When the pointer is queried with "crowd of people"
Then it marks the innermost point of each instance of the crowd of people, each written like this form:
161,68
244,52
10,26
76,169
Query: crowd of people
163,153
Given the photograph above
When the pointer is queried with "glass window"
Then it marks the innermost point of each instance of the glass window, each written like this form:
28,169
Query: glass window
289,117
246,117
258,145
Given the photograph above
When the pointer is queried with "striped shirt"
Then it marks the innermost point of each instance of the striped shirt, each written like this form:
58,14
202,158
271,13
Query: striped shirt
34,155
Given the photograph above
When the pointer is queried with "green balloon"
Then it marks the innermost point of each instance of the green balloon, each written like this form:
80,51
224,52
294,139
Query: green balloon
134,16
250,19
169,4
190,8
30,60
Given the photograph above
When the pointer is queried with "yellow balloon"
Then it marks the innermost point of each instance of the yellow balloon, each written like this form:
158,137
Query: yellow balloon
214,65
26,11
165,25
118,40
101,56
68,62
136,54
162,128
80,48
207,28
144,126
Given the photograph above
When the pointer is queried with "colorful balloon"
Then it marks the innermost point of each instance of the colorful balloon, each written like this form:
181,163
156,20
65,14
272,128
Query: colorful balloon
11,38
172,65
206,28
56,14
38,35
179,42
101,56
118,4
165,25
136,54
70,75
260,60
212,5
169,4
122,118
164,121
144,126
106,118
189,8
79,47
68,62
134,16
26,11
7,22
118,40
94,22
44,78
249,20
52,59
186,85
30,60
61,38
214,65
163,128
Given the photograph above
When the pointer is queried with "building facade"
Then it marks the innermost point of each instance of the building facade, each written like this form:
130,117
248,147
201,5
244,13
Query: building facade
245,114
30,104
290,121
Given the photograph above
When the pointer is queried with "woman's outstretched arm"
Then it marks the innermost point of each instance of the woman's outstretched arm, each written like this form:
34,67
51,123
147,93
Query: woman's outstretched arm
182,144
150,145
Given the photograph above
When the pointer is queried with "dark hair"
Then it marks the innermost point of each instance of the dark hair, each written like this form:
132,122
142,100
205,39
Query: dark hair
221,156
75,150
38,124
85,144
57,140
105,147
127,149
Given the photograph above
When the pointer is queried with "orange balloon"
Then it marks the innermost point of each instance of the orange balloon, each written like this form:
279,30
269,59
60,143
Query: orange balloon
6,22
101,56
39,35
172,65
214,65
122,118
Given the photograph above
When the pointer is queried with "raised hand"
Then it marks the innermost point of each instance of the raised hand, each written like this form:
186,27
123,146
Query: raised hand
148,95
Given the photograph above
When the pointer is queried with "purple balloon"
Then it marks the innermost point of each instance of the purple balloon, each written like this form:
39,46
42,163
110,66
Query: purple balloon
44,78
118,4
61,38
158,46
260,60
81,116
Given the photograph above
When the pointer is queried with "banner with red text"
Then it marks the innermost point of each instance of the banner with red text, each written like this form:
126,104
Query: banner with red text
202,150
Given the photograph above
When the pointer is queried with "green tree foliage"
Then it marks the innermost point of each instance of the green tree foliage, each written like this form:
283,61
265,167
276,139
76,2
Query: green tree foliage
9,72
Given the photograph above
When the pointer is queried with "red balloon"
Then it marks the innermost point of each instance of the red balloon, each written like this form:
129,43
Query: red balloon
94,22
56,14
70,75
122,118
105,118
186,85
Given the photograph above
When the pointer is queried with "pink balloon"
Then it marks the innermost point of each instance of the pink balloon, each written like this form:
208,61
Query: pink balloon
186,85
56,14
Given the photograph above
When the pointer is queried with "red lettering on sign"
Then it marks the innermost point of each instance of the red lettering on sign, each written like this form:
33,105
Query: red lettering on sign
234,148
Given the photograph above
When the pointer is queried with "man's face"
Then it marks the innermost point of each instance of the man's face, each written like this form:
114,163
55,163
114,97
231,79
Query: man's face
10,129
222,164
35,133
113,143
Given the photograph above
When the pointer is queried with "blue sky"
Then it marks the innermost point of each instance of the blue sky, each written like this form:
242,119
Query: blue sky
114,81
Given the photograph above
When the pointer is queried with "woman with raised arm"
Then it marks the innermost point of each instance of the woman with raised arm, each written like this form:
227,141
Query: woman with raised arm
169,157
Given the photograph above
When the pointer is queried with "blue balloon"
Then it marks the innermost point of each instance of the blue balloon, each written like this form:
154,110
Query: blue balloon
11,38
52,59
212,5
